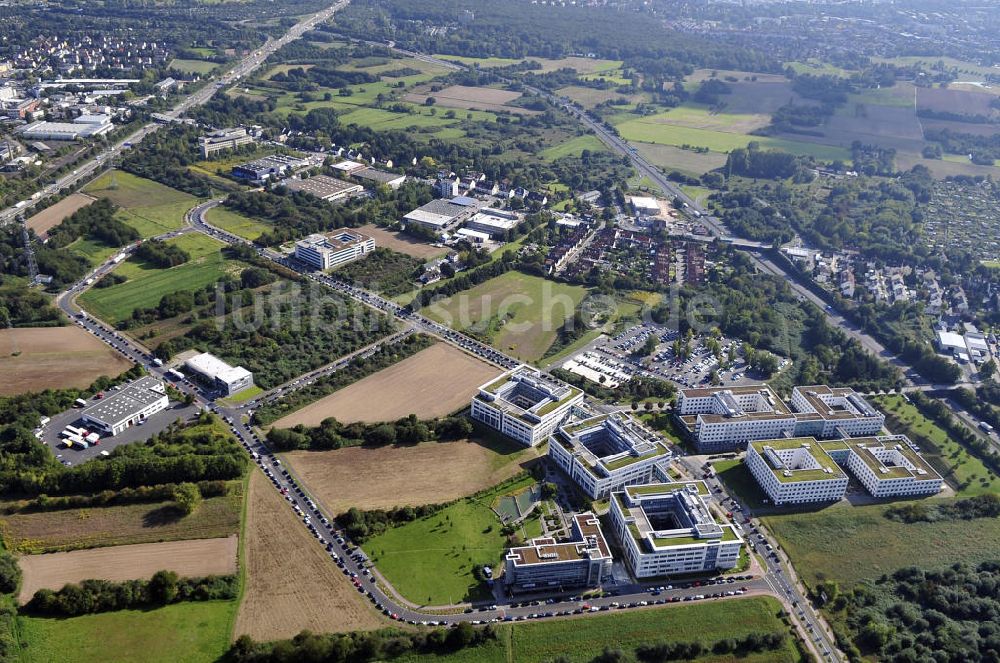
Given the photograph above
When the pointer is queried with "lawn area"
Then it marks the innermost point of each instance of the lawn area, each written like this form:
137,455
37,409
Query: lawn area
581,639
573,147
147,284
738,479
962,470
194,66
848,544
236,223
430,561
520,314
818,68
147,206
188,632
94,251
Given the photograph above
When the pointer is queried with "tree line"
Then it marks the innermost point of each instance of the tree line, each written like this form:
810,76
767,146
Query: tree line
331,434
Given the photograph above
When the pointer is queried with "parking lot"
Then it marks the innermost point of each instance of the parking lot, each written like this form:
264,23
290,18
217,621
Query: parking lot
74,456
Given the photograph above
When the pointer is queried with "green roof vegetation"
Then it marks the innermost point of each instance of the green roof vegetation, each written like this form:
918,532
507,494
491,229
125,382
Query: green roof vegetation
496,384
552,405
663,488
625,461
585,424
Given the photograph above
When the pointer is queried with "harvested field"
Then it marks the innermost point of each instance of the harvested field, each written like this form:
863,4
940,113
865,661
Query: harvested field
426,473
963,102
580,64
401,242
291,583
699,75
50,217
960,127
74,529
191,559
590,97
670,158
54,358
466,97
432,383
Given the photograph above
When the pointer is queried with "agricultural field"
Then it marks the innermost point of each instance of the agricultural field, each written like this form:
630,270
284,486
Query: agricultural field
402,242
701,117
573,147
521,314
426,473
471,98
37,358
236,223
429,561
148,206
432,383
588,97
291,583
671,158
190,632
964,102
582,66
581,639
75,529
701,75
849,544
481,63
50,217
201,67
192,559
147,284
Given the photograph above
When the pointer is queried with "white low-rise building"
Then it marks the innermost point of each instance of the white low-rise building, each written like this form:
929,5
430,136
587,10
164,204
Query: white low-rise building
605,453
887,466
128,406
795,471
726,418
545,564
228,379
335,249
822,411
668,529
525,404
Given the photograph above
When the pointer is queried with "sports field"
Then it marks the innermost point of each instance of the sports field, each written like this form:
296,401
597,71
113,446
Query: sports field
190,559
54,358
521,314
291,583
236,223
148,206
147,284
581,639
74,529
432,383
402,243
51,217
191,632
426,473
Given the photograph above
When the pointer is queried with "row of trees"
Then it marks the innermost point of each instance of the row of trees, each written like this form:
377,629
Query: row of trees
331,434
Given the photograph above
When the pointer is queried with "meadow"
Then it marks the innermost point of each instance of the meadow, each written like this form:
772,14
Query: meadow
148,206
147,284
581,639
573,147
521,314
201,67
236,223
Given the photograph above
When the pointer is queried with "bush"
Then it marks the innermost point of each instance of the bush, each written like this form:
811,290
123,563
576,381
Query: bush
10,573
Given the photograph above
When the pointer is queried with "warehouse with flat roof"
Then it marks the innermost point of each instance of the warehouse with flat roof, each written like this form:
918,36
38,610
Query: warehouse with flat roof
324,187
442,215
227,379
128,406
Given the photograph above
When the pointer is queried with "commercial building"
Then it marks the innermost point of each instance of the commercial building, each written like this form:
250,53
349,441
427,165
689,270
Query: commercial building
795,471
227,379
324,187
726,418
605,453
128,406
493,222
667,529
524,404
803,470
473,236
267,168
64,130
545,564
442,215
223,139
334,249
643,206
348,167
379,177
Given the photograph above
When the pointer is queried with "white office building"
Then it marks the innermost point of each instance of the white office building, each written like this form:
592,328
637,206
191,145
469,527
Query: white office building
128,406
493,222
545,564
795,471
605,453
822,411
337,248
667,529
887,466
725,419
524,404
227,379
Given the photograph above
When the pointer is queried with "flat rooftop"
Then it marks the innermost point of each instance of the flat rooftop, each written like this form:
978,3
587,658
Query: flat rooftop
611,442
527,391
667,515
546,550
210,365
798,459
375,175
334,241
834,403
128,401
321,186
892,457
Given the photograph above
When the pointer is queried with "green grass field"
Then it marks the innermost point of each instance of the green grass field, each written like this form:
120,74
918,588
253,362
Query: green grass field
962,470
194,66
148,206
818,68
94,251
236,223
521,314
480,62
581,639
189,632
146,284
573,147
430,561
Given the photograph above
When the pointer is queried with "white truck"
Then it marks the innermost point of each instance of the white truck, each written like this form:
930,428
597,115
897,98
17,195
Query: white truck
987,428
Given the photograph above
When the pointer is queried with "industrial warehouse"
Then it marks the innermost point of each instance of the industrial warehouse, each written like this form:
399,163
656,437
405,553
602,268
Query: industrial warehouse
220,375
128,406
